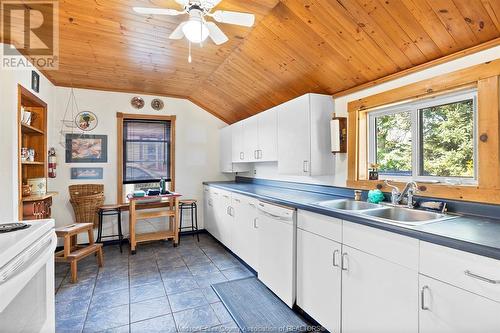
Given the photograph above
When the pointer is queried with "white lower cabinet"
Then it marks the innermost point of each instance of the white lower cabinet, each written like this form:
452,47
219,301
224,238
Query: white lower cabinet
319,278
232,219
448,309
224,219
349,290
377,295
244,233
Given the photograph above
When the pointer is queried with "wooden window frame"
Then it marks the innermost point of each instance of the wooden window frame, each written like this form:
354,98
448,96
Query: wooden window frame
120,117
485,78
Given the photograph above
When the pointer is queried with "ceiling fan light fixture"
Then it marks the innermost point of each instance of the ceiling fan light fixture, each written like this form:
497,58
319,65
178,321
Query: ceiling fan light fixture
195,29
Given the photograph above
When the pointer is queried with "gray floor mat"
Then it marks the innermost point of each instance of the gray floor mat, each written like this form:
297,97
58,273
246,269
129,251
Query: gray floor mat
256,309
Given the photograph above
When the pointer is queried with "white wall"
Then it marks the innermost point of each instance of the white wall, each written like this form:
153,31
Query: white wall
9,80
339,176
196,146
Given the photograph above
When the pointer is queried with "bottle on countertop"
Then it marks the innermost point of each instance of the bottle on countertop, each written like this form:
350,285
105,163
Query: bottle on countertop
163,186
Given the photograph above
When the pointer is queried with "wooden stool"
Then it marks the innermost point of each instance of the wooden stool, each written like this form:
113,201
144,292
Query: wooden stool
72,252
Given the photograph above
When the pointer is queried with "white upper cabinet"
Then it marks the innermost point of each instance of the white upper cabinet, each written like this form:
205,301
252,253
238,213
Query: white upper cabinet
267,149
304,136
251,138
237,137
226,153
255,138
295,133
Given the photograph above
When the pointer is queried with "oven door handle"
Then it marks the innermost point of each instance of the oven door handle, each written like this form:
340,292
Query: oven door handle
27,257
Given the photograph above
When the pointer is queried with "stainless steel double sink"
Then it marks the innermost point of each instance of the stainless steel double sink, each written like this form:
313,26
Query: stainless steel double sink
384,213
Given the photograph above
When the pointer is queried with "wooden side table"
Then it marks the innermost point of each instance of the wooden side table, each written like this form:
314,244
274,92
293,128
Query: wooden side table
72,252
170,211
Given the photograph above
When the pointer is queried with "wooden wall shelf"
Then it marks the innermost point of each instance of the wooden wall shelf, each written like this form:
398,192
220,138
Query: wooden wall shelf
39,197
33,136
32,163
27,129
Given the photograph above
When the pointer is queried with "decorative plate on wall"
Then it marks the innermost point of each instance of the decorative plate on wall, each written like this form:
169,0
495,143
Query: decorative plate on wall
157,104
137,102
86,121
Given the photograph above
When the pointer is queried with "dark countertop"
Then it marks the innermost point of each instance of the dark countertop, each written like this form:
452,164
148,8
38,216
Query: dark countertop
479,235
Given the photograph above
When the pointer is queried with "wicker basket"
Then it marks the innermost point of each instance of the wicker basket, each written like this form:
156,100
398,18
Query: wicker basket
83,190
86,208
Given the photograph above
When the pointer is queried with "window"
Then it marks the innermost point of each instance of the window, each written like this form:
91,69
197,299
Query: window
146,151
433,139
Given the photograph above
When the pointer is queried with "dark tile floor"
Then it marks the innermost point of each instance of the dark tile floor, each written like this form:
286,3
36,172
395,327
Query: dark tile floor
160,289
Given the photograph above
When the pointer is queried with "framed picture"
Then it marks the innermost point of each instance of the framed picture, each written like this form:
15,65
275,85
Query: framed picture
86,148
86,173
35,81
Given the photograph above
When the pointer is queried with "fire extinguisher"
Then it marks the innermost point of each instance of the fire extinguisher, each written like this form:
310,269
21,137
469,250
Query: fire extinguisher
52,163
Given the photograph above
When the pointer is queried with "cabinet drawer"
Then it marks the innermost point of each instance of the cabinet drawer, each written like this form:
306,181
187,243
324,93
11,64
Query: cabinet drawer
480,275
396,248
326,226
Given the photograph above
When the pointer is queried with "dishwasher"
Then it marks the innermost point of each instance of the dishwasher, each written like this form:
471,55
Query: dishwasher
277,249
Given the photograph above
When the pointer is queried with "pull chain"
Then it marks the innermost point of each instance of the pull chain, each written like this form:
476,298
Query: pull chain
190,59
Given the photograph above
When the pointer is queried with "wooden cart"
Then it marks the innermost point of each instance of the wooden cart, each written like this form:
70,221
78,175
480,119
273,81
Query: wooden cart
170,210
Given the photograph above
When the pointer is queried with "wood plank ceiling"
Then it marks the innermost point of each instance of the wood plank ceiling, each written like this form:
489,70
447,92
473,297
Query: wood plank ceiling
296,46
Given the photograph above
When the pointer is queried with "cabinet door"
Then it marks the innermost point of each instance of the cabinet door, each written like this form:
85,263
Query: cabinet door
250,138
238,153
377,295
319,279
294,137
207,209
244,236
448,309
226,220
217,213
268,136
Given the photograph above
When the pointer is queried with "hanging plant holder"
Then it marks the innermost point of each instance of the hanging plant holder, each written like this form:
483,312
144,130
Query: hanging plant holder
68,125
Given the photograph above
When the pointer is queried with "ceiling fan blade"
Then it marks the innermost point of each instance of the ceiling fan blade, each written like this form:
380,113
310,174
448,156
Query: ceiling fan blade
157,11
210,3
217,35
182,2
177,33
224,16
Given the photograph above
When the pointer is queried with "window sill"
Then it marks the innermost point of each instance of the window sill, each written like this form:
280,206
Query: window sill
443,191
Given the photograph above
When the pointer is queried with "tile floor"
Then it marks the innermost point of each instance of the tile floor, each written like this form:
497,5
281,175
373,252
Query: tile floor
160,289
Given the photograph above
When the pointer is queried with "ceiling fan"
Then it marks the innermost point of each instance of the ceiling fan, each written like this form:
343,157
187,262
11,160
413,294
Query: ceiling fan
197,29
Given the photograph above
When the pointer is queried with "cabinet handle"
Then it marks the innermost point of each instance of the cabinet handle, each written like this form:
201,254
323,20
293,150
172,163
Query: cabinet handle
481,278
251,205
255,154
226,196
237,200
306,166
242,155
422,298
255,226
334,259
210,203
345,262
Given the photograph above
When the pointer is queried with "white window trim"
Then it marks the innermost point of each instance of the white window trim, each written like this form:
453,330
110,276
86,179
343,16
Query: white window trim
414,107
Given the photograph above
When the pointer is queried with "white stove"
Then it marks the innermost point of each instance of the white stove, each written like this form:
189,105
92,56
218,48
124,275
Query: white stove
27,278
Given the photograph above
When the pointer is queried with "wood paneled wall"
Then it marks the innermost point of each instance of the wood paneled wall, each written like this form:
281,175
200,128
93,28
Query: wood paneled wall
296,46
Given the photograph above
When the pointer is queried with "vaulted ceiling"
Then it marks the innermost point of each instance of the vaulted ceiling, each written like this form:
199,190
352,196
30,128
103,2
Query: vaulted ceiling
296,46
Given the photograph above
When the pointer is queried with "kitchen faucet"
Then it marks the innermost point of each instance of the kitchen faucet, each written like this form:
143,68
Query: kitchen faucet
409,191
